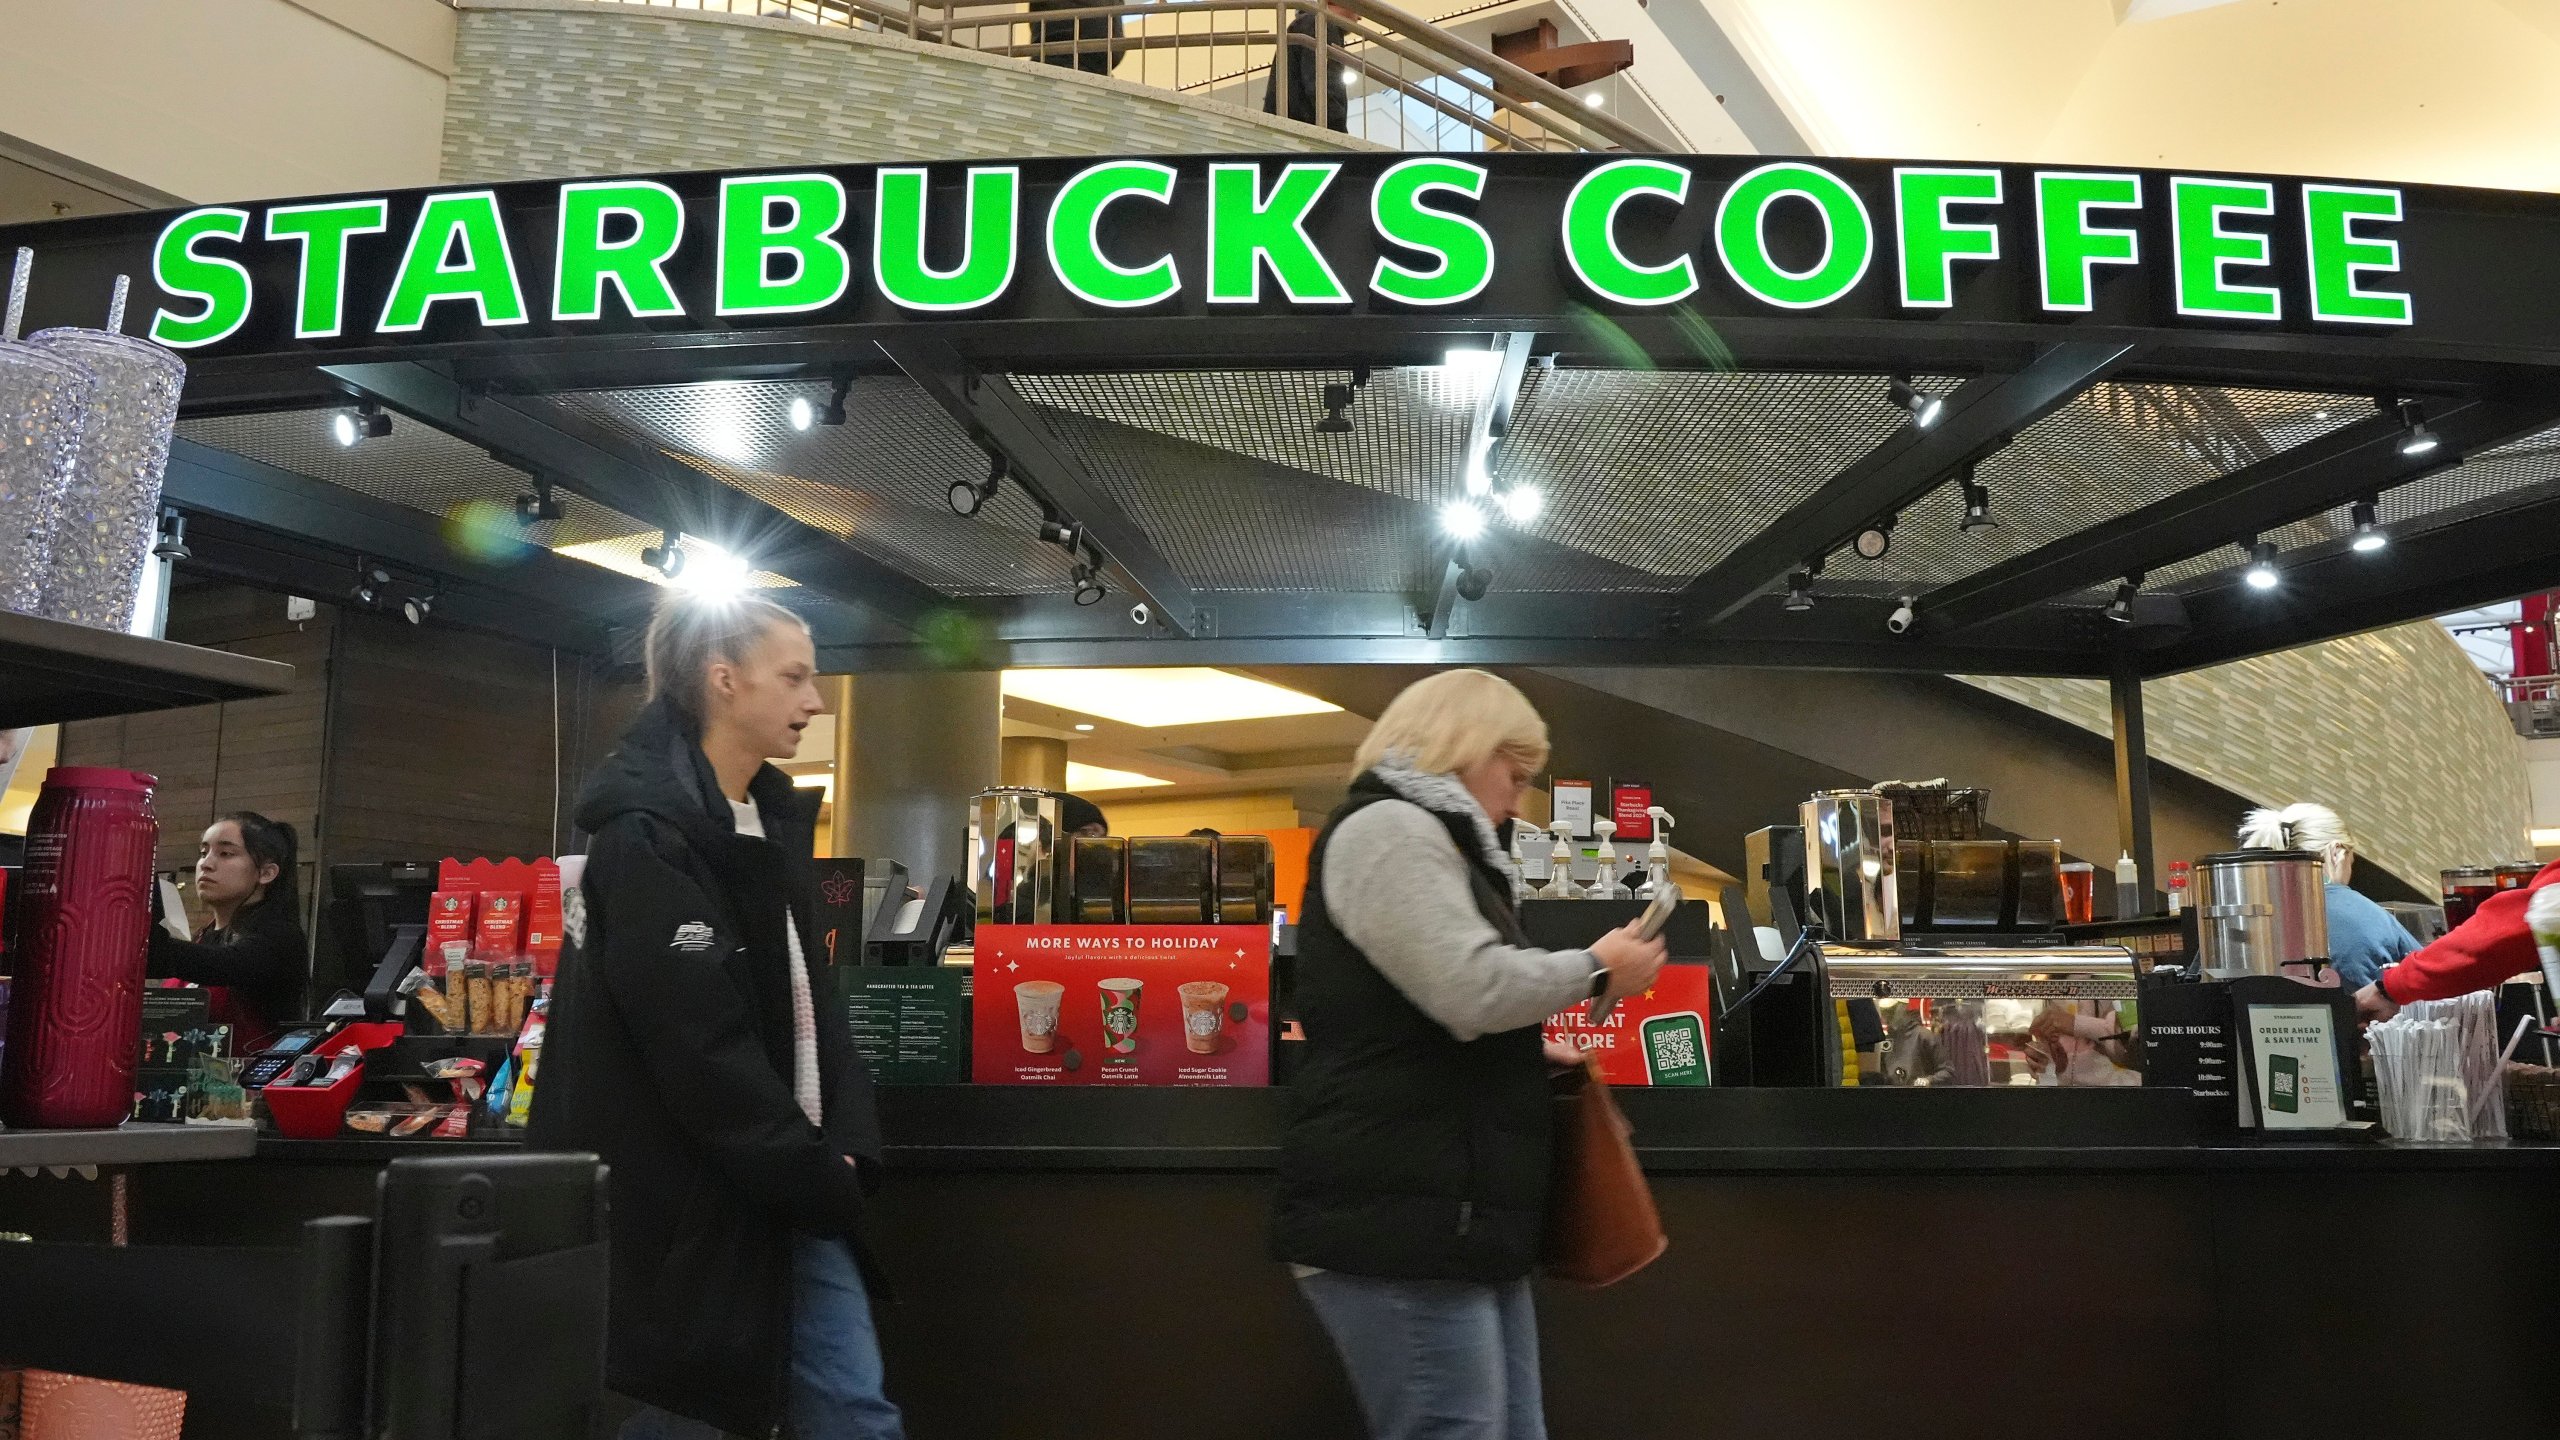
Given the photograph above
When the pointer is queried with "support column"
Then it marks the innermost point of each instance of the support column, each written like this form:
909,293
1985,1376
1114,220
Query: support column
839,692
911,751
1035,761
2133,768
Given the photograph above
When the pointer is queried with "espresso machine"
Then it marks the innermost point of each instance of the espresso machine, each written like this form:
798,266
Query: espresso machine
1821,985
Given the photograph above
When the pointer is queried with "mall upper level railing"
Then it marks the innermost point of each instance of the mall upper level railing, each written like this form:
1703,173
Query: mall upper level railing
1405,82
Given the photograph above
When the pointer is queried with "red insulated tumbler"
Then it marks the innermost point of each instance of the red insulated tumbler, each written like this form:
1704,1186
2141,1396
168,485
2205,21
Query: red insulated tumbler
84,921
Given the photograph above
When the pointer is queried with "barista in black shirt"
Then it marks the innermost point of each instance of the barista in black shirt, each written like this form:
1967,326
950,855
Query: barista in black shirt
253,957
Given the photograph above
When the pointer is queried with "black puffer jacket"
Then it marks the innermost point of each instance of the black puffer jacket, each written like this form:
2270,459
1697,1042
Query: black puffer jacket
670,1055
1410,1154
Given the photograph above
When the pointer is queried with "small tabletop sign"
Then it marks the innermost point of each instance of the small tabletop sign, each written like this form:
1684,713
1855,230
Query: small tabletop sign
2293,1063
908,1021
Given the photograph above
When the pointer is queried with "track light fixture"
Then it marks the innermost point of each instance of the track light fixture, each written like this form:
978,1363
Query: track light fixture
1337,410
365,422
1065,534
667,556
371,583
969,497
416,608
539,505
1799,591
2417,442
833,411
1977,503
1473,582
2120,609
1088,584
2367,516
801,413
1926,409
1875,540
172,545
2262,574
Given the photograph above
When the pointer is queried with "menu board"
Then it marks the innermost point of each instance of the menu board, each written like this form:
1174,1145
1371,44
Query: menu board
1122,1005
1659,1037
908,1022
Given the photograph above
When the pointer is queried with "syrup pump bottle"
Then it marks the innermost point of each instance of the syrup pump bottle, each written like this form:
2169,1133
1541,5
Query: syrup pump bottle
1519,864
1657,856
1607,886
1560,885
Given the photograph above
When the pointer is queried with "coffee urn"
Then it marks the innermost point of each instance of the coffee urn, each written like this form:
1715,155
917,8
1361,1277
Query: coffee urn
2259,911
1849,865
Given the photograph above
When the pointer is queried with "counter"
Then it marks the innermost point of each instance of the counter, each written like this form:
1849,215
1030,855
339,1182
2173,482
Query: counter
1842,1262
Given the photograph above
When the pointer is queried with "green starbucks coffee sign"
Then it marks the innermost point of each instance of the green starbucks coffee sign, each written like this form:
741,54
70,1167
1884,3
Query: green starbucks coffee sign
1428,237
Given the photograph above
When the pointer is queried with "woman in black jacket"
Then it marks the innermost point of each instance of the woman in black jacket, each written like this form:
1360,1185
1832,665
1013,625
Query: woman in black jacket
253,956
696,1047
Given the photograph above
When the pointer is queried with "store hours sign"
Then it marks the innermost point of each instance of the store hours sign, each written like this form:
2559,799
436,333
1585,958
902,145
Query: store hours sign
1509,237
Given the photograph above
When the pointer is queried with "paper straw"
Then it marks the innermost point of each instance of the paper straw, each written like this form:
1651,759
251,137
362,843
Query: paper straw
18,273
2523,1024
115,307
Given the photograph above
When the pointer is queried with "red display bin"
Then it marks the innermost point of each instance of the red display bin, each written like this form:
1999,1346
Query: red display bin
317,1112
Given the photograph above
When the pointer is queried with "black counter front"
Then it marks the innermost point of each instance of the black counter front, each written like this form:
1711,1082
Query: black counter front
1087,1262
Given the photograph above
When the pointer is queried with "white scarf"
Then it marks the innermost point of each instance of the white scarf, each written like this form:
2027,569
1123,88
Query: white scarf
1441,793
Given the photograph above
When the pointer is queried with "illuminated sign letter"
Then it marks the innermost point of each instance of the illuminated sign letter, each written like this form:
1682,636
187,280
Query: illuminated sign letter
1075,236
2339,256
993,208
791,217
457,251
1591,234
650,220
324,230
219,284
1461,247
1931,243
1742,236
1250,232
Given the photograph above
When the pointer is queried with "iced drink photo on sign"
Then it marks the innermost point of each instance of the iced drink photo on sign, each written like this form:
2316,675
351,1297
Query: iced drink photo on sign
1204,1015
1120,1015
1038,1001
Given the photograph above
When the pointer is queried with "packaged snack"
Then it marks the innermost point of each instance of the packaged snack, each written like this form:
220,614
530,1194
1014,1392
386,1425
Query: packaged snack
462,1072
501,930
418,1094
440,1005
450,915
456,1123
399,1119
478,1000
528,1060
341,1066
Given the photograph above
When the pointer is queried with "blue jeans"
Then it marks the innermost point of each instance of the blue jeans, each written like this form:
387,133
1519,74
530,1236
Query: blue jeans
1436,1359
835,1359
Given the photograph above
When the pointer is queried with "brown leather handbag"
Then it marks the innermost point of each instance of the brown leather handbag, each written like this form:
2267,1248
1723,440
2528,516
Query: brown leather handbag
1601,1222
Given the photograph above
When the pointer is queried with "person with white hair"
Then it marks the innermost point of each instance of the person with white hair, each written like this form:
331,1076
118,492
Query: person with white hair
2363,937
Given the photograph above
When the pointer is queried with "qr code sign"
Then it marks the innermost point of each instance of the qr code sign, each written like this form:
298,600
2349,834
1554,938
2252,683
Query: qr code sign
1675,1049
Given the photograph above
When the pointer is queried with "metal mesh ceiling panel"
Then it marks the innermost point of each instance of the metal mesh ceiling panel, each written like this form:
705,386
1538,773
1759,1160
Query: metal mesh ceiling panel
2520,465
1652,476
1409,424
2112,450
879,481
422,468
1669,471
1227,522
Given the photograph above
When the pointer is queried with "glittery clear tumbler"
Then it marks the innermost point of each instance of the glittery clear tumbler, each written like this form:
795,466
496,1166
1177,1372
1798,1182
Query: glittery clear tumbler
103,531
44,396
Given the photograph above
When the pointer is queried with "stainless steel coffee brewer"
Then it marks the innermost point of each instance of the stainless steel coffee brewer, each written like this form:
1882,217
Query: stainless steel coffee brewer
2260,910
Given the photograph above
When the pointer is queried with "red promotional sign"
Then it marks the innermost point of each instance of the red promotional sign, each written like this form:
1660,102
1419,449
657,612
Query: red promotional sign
1657,1038
1628,807
1122,1005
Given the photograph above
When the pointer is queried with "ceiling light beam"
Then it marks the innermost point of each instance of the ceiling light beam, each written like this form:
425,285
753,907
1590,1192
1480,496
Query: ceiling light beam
2256,499
989,406
1907,464
649,486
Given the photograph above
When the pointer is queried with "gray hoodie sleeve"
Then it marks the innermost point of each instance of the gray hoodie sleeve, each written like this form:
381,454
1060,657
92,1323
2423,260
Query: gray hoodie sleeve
1395,886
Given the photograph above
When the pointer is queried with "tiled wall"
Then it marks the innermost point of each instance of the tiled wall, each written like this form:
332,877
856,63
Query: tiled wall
556,88
2395,730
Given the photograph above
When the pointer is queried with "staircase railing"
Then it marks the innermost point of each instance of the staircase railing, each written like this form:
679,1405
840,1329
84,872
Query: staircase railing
1404,81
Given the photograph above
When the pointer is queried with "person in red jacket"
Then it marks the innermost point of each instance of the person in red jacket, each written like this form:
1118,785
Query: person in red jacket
2490,948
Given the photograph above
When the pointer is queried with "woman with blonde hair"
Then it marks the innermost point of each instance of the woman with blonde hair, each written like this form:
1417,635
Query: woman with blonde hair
1413,1178
2363,937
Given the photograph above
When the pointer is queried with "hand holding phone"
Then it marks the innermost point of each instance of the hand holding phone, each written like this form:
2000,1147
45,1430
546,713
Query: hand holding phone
1647,930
